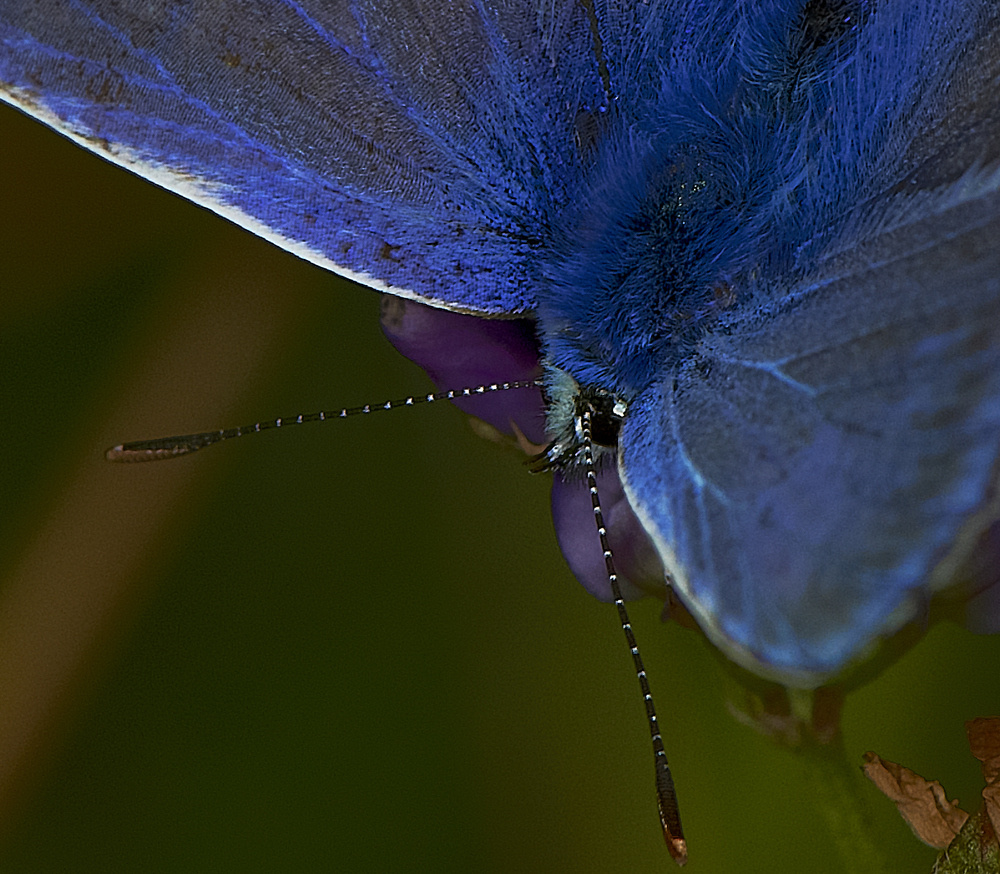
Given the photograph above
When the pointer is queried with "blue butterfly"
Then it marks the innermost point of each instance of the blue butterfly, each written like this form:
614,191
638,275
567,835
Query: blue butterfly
765,230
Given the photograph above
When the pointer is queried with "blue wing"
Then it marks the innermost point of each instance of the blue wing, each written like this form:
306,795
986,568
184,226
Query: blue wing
821,464
418,147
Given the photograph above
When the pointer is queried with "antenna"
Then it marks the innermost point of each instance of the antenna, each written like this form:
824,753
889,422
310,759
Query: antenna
172,447
666,796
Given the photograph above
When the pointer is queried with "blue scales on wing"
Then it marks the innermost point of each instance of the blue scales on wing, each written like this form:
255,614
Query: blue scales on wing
821,457
417,147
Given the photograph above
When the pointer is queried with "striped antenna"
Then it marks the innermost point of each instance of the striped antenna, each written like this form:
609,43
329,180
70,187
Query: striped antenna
185,444
666,797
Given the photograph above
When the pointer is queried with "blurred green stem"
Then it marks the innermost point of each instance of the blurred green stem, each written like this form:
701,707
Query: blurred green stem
836,785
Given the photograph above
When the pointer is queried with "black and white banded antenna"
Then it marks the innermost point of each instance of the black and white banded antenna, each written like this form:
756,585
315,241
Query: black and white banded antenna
666,796
172,447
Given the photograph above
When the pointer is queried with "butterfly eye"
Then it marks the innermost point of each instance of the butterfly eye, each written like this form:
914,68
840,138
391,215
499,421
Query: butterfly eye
569,404
606,415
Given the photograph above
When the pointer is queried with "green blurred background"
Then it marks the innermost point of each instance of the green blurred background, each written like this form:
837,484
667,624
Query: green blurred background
348,648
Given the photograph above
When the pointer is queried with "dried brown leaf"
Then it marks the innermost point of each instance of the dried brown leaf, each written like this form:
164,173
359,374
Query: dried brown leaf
922,803
984,741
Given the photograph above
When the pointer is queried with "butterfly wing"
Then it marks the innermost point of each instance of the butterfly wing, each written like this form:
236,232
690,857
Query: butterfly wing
817,468
416,147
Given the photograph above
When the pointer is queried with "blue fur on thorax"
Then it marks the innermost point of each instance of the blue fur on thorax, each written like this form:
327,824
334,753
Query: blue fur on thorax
743,151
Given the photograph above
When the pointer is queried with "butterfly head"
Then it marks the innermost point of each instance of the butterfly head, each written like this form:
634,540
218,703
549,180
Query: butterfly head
567,404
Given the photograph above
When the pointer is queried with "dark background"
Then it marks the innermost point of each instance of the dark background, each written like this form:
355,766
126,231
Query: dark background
352,647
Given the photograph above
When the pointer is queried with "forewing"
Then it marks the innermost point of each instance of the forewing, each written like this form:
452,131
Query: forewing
820,464
418,147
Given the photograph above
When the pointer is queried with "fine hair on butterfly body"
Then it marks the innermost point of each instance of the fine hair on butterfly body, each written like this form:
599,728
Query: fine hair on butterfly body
763,231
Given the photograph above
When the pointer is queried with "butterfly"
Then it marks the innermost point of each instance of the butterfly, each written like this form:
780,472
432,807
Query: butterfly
762,371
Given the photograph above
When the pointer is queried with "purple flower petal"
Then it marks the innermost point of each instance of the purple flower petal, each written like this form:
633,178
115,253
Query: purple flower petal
639,569
459,351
